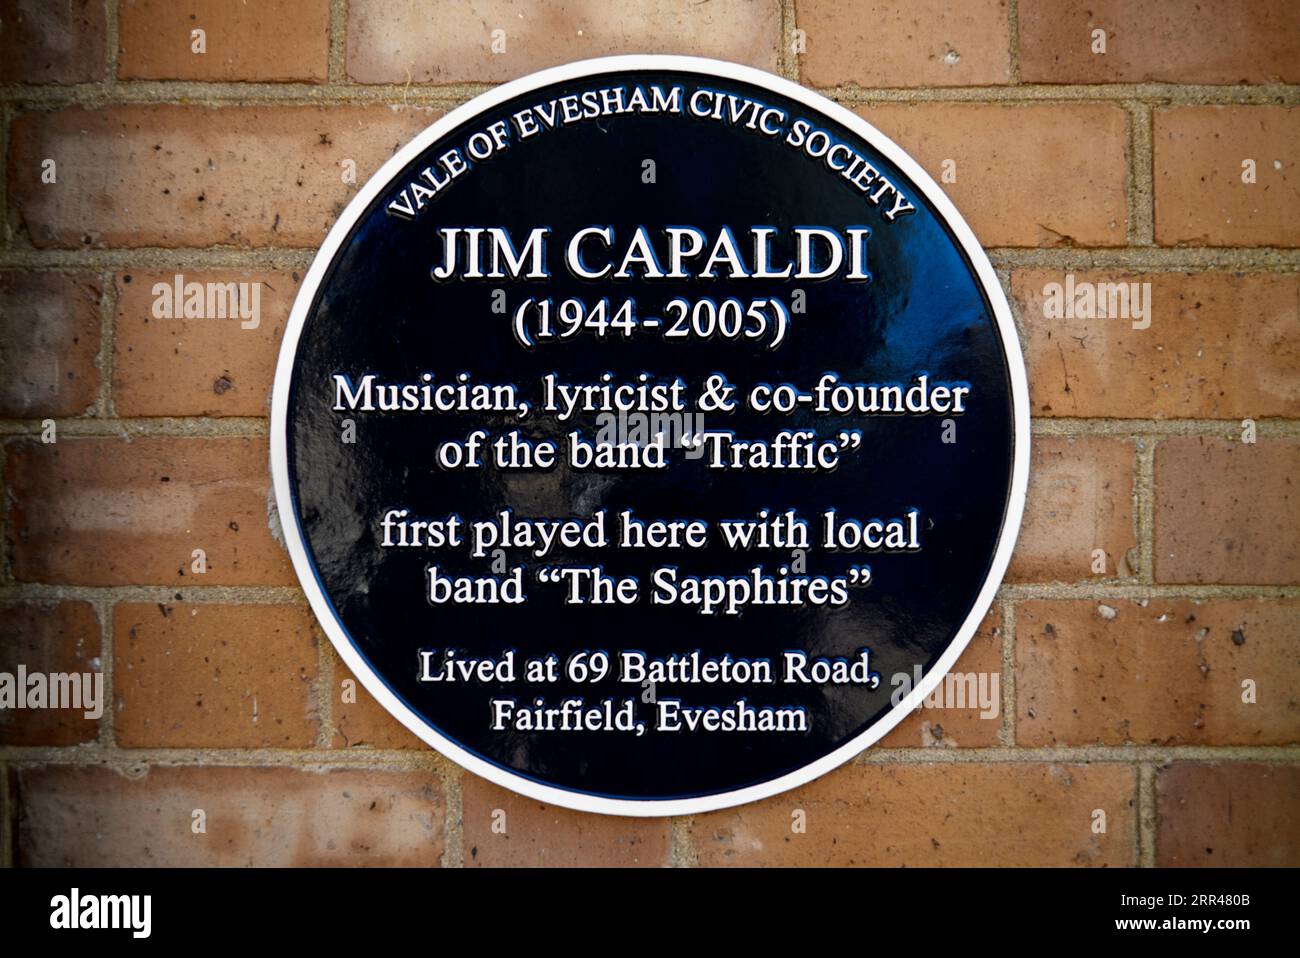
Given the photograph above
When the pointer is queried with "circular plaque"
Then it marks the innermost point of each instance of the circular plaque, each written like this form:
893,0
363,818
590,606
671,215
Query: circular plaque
650,435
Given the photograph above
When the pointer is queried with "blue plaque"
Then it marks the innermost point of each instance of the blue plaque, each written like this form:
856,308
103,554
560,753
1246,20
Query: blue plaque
650,435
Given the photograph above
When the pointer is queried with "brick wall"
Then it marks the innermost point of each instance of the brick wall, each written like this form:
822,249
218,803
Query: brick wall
1121,689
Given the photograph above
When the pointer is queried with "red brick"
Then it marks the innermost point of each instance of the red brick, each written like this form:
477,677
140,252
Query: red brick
399,41
1200,199
50,326
263,817
539,836
1219,345
1228,816
143,175
363,722
1159,672
268,40
131,512
53,637
955,814
214,676
1160,41
1035,175
1080,499
43,42
922,43
1227,511
198,367
955,718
